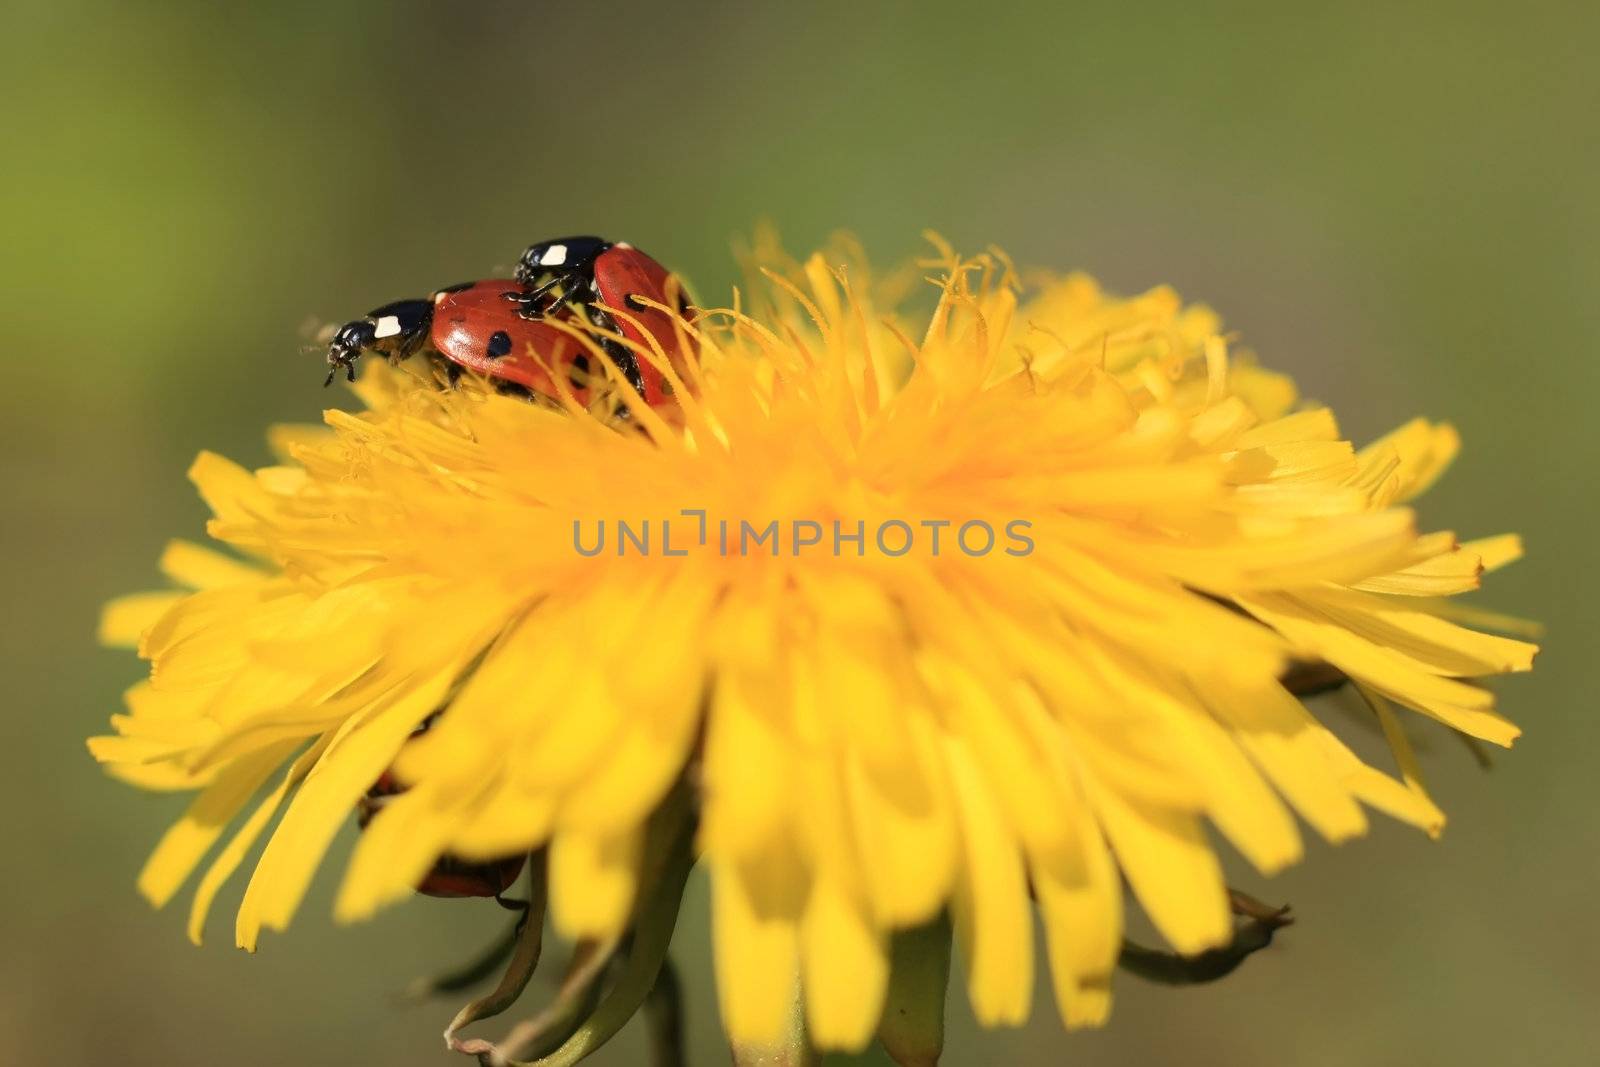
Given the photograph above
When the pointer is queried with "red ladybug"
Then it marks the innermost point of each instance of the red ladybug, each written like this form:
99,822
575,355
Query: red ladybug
587,270
501,327
478,326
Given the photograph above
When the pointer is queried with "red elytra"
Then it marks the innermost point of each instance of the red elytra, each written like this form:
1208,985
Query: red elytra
480,328
622,273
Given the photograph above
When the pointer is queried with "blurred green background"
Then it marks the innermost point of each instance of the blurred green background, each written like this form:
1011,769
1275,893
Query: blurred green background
1398,205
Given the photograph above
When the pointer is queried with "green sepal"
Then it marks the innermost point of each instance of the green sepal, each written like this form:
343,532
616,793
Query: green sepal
912,1028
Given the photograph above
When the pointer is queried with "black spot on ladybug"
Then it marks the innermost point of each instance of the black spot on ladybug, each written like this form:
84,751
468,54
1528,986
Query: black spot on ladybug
499,344
459,287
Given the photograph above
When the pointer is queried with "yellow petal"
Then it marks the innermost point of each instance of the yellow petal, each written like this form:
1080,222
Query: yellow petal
1313,424
1172,870
1495,552
162,777
1400,745
757,962
593,881
396,850
1426,640
1386,670
1287,744
199,567
1447,574
1082,912
747,781
1424,449
358,754
906,827
990,905
234,852
232,493
183,846
123,621
846,970
509,821
1235,797
1374,787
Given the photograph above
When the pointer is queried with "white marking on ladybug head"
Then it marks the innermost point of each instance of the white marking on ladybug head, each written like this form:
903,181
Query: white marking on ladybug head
387,326
622,244
554,256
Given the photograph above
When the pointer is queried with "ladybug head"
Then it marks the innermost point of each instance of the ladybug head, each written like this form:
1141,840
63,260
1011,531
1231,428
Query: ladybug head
346,346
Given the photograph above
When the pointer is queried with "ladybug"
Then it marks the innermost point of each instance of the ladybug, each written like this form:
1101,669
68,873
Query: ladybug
478,326
451,876
501,327
588,270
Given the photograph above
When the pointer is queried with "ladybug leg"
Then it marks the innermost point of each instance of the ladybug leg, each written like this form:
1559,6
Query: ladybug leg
624,357
511,903
532,299
440,363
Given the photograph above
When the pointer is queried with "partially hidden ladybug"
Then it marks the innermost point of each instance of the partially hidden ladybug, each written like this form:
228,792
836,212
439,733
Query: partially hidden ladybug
501,328
450,876
590,270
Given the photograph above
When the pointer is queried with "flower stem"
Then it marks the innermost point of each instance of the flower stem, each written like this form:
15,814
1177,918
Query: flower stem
524,959
664,1013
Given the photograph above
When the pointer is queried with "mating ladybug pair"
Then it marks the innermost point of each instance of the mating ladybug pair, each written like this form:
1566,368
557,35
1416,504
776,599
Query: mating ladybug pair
501,327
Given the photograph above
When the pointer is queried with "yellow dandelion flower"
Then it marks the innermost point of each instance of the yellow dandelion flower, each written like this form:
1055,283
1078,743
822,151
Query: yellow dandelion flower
886,621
